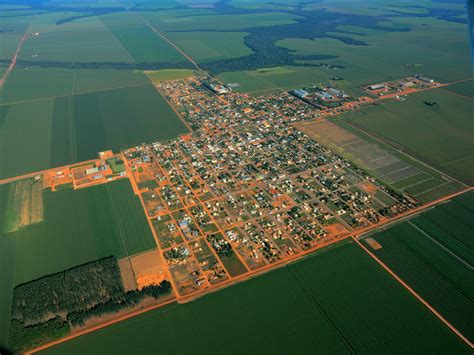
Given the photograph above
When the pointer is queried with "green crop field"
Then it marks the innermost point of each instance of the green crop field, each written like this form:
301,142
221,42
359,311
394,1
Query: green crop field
35,83
25,84
169,74
434,254
124,117
97,44
167,23
37,135
202,46
146,46
446,129
7,267
78,227
337,301
465,88
25,137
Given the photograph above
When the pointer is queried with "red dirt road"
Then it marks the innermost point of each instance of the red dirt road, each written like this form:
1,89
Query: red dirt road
415,294
13,62
282,263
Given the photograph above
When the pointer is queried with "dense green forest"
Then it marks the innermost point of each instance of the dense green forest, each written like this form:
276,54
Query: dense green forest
71,290
45,309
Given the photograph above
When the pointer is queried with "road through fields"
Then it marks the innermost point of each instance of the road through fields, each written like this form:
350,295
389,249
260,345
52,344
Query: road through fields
355,236
13,62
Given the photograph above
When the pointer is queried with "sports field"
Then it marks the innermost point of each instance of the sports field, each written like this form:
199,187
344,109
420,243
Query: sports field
36,135
338,301
79,226
446,128
434,254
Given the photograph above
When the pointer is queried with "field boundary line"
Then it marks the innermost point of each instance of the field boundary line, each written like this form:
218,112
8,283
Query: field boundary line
173,108
417,183
457,93
415,294
75,94
381,140
441,245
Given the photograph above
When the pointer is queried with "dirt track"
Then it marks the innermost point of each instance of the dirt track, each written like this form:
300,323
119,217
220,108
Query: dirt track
13,62
415,294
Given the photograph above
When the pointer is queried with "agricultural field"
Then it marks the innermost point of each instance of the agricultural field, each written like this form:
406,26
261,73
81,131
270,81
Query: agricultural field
189,21
434,254
206,46
169,74
78,227
446,128
87,44
267,80
465,88
149,48
68,129
349,314
434,47
388,165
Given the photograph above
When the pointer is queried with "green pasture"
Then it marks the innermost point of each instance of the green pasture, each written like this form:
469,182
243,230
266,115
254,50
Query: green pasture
337,301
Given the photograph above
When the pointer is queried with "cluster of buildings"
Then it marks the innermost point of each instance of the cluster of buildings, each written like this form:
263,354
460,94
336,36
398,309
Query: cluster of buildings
401,86
247,189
